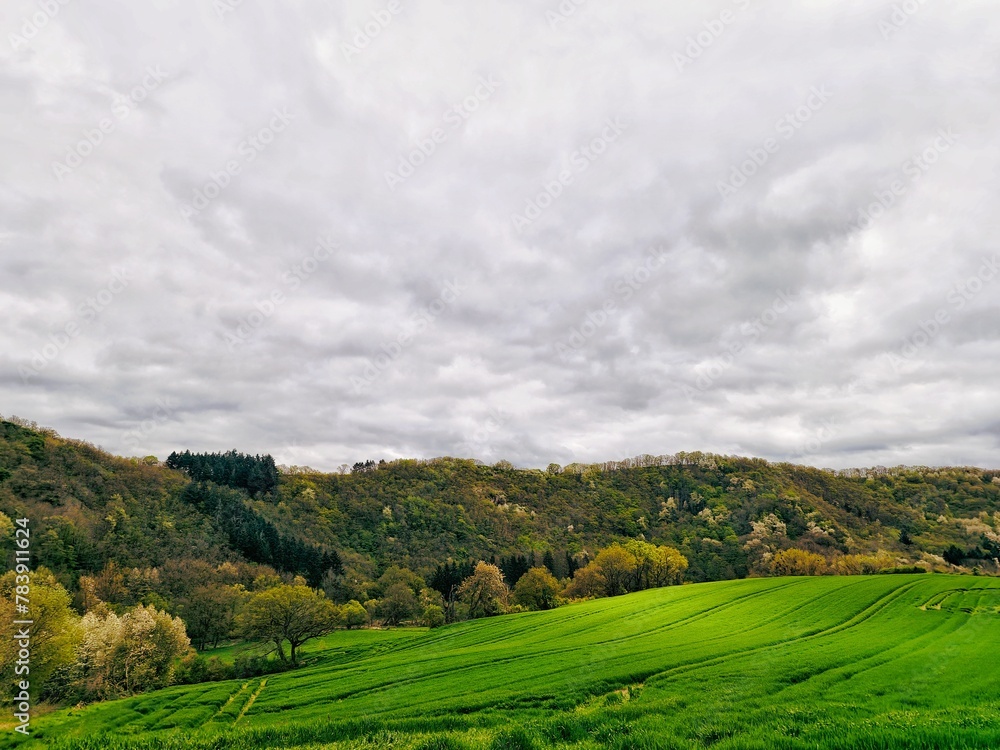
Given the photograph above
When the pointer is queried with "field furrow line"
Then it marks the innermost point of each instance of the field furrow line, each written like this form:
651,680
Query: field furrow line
881,656
236,693
531,655
251,699
870,611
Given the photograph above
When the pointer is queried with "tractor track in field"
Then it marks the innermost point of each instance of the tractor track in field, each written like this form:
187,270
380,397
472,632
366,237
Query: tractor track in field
235,694
755,625
549,651
645,675
153,719
879,657
951,625
685,620
952,600
251,699
444,637
865,614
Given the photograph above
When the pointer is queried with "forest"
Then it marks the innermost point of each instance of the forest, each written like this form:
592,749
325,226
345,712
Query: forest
197,551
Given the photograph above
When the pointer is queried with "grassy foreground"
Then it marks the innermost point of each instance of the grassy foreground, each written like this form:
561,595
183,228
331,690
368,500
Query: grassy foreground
862,662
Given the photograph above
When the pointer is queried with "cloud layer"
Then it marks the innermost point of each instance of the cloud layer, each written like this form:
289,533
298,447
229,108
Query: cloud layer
539,232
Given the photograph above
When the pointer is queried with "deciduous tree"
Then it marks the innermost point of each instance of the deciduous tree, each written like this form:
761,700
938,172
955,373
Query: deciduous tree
484,591
287,613
55,629
353,614
210,613
128,654
537,589
797,562
617,565
397,604
587,582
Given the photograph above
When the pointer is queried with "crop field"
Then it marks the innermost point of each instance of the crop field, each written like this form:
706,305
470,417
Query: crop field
827,662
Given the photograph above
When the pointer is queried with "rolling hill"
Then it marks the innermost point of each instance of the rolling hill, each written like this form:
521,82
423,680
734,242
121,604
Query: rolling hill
824,662
725,513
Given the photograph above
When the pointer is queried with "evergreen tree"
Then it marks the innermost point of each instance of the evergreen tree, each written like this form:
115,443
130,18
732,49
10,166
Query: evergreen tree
549,562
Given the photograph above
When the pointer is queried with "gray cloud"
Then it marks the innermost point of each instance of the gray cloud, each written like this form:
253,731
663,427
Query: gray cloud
784,168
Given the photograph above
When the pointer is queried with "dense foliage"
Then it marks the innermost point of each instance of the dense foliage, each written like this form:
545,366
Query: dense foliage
255,474
256,538
727,515
429,542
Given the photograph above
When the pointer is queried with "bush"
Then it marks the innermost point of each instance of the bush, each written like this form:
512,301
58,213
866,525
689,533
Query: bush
433,616
854,565
905,569
255,665
196,668
797,562
353,614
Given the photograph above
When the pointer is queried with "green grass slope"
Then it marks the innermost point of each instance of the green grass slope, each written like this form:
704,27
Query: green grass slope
861,662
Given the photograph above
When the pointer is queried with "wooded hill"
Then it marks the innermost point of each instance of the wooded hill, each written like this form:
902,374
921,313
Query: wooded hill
728,515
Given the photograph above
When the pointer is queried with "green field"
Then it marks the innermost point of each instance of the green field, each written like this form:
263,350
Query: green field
832,662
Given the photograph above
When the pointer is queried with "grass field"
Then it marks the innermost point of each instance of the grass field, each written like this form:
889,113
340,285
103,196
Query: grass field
860,662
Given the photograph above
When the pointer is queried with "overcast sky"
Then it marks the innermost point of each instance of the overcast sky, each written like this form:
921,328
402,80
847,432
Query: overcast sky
516,230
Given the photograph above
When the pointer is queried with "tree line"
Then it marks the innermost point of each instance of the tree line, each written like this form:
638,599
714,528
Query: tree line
256,474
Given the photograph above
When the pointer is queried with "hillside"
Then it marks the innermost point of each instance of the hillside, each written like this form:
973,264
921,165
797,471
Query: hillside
888,661
726,514
713,508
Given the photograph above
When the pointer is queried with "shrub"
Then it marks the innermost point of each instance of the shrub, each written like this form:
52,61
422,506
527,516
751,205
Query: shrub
433,616
353,614
537,589
588,582
797,562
